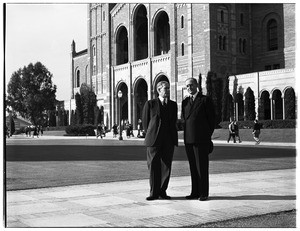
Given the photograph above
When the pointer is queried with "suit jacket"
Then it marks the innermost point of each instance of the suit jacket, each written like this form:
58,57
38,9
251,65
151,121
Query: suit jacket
199,119
151,120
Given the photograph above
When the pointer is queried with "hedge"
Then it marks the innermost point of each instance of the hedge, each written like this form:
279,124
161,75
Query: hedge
264,123
80,130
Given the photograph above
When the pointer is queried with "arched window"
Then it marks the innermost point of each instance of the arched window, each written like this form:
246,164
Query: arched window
140,33
222,16
78,78
224,43
122,46
244,46
182,49
182,21
94,50
272,35
220,42
86,74
94,69
242,19
161,34
240,45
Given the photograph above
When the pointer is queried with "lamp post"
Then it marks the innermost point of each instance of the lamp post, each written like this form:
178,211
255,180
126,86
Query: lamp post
120,94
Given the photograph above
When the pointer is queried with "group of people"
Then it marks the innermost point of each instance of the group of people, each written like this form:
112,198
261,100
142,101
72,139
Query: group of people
233,129
7,132
233,132
129,129
101,130
34,130
159,120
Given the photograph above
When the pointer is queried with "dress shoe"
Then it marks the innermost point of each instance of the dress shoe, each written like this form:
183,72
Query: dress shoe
191,197
203,199
164,196
151,198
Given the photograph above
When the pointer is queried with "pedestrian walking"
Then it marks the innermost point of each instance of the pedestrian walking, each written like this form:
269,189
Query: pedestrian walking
159,121
237,131
231,132
103,130
35,132
256,131
139,127
198,115
6,131
115,130
27,130
41,130
99,128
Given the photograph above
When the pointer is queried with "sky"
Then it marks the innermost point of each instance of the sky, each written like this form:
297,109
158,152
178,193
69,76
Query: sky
44,32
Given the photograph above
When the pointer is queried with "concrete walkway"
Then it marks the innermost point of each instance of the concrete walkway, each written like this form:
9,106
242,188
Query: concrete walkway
123,204
17,139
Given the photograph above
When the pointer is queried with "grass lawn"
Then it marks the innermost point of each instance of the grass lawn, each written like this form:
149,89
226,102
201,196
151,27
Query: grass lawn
267,135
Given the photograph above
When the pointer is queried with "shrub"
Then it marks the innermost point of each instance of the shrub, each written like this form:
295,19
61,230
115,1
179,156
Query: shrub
80,130
265,124
57,128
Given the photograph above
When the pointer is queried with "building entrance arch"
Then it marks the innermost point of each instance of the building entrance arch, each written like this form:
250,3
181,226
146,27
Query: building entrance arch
277,104
290,104
140,97
265,106
121,103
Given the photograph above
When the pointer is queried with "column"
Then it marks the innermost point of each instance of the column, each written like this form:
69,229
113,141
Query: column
283,108
134,119
151,46
113,97
272,111
236,111
130,96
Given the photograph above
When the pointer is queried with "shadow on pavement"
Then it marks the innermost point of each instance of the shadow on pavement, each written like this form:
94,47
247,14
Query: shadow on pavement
255,197
127,153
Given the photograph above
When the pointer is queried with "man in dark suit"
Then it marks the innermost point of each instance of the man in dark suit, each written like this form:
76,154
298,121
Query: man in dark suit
199,120
159,121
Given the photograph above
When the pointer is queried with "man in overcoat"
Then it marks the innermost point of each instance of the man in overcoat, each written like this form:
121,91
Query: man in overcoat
159,120
199,120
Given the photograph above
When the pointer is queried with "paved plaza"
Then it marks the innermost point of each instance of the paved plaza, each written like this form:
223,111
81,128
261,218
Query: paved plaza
123,203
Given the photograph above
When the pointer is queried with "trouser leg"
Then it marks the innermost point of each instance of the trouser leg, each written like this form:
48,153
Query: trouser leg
166,165
153,161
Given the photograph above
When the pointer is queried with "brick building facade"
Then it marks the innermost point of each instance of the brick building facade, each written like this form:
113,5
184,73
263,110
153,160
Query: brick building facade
131,47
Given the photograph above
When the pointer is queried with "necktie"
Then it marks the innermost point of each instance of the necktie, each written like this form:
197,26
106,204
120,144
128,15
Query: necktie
191,100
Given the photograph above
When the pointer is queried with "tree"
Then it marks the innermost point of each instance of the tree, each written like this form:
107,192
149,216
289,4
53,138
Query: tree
226,100
60,117
214,91
79,109
73,119
11,125
52,118
200,83
66,118
209,83
249,105
88,102
290,105
31,93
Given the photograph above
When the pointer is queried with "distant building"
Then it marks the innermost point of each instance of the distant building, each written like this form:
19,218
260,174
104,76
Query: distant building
19,122
131,47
